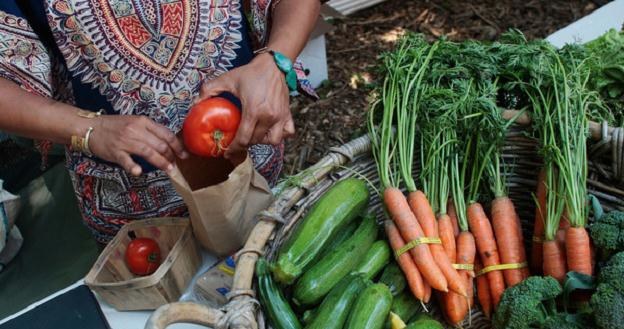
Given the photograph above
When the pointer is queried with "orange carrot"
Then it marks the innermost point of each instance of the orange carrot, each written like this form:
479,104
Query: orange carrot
447,235
424,214
455,306
427,292
578,250
466,250
555,257
554,260
408,226
538,225
506,225
592,248
483,291
450,210
470,285
412,275
486,246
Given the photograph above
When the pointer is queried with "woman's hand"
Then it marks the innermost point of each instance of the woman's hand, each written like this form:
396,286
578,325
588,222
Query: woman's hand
262,90
116,137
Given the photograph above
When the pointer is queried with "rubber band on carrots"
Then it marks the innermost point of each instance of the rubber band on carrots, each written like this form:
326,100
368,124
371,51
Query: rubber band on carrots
501,267
414,243
466,267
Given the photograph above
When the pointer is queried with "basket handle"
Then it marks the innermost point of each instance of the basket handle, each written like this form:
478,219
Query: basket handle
183,312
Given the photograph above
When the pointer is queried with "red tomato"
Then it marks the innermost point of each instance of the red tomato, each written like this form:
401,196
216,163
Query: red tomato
143,256
211,126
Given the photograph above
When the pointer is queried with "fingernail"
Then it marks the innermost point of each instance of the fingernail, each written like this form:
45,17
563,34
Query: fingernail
184,155
170,168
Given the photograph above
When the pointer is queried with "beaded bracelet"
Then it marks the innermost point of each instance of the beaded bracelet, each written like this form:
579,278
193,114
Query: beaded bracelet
283,64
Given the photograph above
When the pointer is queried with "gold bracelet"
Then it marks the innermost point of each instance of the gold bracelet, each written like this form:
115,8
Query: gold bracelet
85,142
81,144
89,114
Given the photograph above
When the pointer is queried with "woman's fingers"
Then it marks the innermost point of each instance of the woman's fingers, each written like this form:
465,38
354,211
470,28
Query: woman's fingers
261,132
289,128
158,145
275,134
169,139
243,136
151,155
125,161
223,83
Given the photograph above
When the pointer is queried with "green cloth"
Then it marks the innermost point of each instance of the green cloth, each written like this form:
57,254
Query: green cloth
58,249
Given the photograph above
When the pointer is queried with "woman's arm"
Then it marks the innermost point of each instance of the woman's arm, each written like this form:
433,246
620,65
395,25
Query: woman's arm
293,21
33,116
114,138
260,85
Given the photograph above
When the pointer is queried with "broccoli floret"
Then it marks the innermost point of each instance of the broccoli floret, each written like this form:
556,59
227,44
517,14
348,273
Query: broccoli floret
527,304
608,300
562,321
613,272
608,306
607,232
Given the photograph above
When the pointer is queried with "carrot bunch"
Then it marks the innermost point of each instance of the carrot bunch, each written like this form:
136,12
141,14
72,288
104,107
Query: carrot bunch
504,218
455,307
399,100
560,121
436,145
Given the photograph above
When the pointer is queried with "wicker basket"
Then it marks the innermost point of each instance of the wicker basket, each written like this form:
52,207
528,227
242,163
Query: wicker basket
111,279
354,158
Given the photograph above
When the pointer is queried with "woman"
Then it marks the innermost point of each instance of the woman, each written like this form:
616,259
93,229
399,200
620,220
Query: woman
113,80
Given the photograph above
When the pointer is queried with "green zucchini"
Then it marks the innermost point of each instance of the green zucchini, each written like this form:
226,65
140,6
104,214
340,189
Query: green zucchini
276,308
339,206
335,308
324,275
341,237
375,259
309,316
424,321
393,277
405,305
371,308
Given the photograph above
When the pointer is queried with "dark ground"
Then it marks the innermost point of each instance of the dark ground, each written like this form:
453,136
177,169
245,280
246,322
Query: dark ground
357,40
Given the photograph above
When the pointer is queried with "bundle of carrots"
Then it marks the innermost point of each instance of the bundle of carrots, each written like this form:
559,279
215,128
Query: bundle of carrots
561,242
440,179
413,221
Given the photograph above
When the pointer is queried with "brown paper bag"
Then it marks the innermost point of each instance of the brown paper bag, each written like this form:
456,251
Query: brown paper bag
222,200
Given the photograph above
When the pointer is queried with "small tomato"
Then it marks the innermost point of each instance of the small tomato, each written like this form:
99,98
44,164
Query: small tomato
211,126
143,256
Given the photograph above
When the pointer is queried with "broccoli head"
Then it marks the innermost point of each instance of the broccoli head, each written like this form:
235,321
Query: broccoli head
566,321
527,304
608,306
607,232
608,300
612,272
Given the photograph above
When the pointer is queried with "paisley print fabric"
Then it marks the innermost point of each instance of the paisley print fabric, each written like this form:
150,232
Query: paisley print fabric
147,57
23,58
